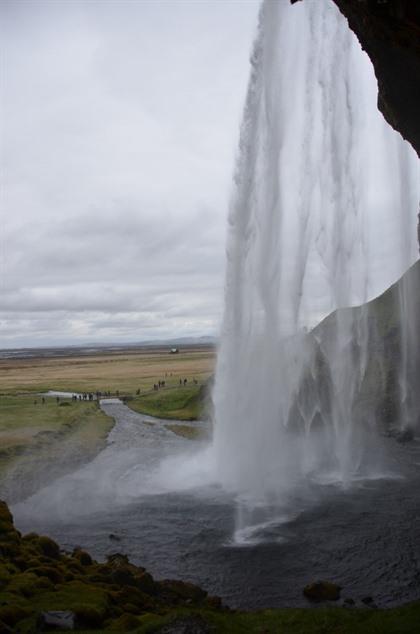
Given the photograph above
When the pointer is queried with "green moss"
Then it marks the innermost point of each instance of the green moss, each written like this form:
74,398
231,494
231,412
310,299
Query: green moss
125,623
51,573
48,547
12,614
24,584
76,596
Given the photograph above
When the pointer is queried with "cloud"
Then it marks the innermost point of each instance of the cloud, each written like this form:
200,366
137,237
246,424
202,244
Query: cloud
120,126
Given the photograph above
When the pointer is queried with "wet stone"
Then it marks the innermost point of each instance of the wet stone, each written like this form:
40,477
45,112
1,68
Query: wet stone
57,619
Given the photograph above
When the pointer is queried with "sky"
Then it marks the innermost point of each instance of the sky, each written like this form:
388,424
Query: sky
119,126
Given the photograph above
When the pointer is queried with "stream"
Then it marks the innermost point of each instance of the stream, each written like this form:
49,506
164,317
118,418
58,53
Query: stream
149,495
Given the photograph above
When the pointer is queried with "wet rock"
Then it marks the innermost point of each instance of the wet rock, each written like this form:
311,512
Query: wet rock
214,602
117,559
322,591
405,435
388,31
57,619
367,600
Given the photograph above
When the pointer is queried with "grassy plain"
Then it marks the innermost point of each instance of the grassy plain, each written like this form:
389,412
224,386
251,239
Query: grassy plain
126,371
34,435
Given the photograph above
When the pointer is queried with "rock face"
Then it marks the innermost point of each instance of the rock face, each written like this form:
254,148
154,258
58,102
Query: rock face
389,31
392,366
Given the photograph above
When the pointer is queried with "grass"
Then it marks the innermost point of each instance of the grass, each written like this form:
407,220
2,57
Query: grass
178,403
35,436
188,431
325,620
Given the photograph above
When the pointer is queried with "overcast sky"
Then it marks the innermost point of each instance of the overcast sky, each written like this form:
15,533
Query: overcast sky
119,127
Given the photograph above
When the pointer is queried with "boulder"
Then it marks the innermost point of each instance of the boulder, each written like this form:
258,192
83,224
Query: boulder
322,591
57,620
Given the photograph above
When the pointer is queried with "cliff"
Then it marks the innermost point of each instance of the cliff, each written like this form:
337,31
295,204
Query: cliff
389,31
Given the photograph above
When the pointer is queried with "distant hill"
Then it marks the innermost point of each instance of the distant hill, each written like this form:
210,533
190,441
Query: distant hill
102,347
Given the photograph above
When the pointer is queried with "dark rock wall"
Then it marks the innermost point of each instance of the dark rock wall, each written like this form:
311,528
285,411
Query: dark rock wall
389,31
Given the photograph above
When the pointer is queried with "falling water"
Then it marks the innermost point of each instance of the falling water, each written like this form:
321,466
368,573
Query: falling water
323,217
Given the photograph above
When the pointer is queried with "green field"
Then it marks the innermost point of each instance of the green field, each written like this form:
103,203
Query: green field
37,439
180,403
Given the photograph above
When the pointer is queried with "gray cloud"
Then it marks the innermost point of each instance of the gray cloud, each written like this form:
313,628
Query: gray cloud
119,126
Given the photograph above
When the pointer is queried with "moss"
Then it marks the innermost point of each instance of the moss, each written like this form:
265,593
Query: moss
4,629
103,604
88,616
5,514
181,590
49,547
82,557
5,575
51,573
125,623
12,614
24,584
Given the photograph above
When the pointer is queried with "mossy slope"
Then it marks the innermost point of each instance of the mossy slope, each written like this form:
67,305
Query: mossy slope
36,576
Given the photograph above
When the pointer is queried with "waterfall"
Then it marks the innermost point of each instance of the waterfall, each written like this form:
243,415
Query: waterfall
322,217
